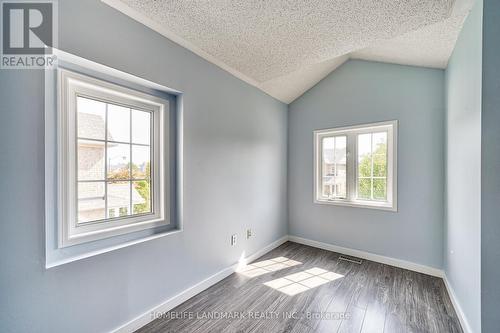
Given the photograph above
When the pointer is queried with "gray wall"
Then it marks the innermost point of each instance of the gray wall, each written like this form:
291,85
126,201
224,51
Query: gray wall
235,177
463,169
364,92
490,169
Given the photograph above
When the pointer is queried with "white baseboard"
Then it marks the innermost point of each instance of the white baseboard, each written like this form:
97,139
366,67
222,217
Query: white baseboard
183,296
370,256
458,309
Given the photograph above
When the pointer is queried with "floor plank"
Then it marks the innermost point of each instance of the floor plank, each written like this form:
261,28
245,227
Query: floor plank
297,288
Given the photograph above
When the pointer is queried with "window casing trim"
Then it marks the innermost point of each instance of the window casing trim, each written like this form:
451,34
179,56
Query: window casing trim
351,132
71,85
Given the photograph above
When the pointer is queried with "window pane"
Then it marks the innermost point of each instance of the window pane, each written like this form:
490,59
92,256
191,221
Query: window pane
328,156
380,154
340,187
334,167
118,161
328,166
340,145
90,160
364,188
379,189
372,162
379,142
91,118
141,196
118,198
141,164
327,189
364,155
141,123
118,123
364,144
90,201
341,166
380,165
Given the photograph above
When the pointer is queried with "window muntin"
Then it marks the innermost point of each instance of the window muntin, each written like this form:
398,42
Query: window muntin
356,166
111,155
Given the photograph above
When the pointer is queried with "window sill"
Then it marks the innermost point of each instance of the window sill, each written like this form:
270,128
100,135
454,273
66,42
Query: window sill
135,223
53,262
359,204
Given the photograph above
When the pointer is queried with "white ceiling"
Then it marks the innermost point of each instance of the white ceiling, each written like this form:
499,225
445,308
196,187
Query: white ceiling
285,47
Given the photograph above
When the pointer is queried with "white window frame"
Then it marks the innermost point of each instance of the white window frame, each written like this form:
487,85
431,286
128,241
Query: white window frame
351,132
70,232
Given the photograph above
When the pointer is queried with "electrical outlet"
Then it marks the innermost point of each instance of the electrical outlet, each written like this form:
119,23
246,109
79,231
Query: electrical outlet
249,233
233,240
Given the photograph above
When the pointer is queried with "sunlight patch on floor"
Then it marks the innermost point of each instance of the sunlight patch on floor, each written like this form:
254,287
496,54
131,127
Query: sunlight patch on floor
296,283
267,266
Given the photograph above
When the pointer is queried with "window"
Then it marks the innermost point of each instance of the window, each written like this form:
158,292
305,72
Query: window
356,166
111,151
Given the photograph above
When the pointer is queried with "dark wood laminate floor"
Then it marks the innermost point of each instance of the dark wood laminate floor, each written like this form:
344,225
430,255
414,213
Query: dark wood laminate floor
297,288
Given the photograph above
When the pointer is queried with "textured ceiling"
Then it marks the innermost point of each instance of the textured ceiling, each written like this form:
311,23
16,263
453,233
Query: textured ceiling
284,47
430,46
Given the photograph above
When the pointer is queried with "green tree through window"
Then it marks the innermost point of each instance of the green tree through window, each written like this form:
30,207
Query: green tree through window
144,189
373,186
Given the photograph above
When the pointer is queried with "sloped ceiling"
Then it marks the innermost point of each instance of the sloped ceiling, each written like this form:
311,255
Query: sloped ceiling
284,47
